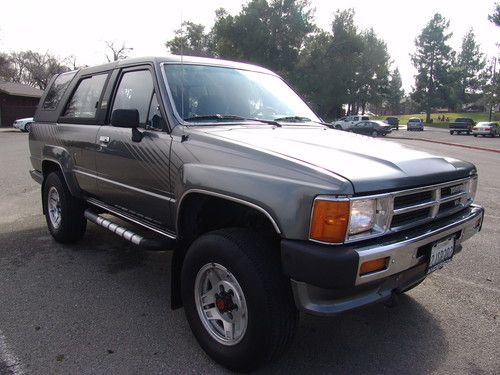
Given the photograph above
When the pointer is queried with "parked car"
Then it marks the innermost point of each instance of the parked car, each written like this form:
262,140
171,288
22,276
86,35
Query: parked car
267,211
23,124
461,125
393,121
415,123
373,128
486,128
345,123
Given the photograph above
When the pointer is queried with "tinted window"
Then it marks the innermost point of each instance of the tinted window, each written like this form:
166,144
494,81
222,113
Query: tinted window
135,92
57,90
83,103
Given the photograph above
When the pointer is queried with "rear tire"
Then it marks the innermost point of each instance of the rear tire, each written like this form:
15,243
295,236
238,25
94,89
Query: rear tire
374,134
63,212
451,132
246,273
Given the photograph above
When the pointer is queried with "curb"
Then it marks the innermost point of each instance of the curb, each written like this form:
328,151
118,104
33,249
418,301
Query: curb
449,144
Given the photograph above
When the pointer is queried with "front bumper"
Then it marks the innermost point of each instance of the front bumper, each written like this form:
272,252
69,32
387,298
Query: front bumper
326,278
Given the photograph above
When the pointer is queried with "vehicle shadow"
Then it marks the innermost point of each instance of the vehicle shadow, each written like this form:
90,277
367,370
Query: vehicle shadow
109,304
402,339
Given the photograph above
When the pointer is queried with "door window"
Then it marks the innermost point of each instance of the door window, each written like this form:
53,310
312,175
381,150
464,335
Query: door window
136,92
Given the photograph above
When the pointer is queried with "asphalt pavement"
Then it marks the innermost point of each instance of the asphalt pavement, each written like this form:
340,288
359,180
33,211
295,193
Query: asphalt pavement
102,306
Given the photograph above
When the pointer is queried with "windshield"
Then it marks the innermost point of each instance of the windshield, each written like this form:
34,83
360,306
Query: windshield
204,94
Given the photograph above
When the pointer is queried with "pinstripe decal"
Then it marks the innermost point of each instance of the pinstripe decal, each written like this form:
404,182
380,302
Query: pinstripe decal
171,200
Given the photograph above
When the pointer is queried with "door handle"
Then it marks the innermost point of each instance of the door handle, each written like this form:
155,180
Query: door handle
104,139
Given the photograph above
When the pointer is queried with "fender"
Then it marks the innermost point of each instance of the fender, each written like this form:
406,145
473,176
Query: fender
61,156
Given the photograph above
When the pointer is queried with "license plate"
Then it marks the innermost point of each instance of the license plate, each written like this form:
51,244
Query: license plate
441,253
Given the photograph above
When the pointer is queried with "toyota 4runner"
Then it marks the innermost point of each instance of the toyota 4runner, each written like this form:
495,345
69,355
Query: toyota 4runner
267,210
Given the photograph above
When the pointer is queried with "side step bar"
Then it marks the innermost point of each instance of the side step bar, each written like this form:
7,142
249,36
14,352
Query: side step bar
127,234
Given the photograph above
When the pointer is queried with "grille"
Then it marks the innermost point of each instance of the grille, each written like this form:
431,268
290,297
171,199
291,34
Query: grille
414,207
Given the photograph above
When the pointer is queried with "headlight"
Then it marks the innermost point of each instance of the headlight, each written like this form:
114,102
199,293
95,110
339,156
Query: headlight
337,220
362,216
472,188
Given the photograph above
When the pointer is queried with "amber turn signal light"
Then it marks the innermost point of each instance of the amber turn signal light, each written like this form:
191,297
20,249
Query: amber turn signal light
373,266
329,220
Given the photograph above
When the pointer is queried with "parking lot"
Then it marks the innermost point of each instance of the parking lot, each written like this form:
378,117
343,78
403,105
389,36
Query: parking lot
102,306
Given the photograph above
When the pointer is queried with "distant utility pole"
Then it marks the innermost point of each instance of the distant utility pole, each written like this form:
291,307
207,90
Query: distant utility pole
493,83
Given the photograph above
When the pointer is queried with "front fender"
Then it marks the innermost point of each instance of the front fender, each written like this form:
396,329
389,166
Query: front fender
286,201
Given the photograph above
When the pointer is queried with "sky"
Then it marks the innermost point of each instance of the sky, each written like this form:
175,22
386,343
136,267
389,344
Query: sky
81,28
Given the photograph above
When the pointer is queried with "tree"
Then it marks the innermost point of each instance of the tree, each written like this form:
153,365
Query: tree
117,53
432,58
395,92
190,40
7,71
35,69
266,33
495,17
470,66
372,78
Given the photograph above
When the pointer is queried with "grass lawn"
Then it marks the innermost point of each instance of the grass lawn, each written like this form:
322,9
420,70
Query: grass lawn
479,116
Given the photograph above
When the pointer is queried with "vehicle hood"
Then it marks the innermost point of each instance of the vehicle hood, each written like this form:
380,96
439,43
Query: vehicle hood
371,165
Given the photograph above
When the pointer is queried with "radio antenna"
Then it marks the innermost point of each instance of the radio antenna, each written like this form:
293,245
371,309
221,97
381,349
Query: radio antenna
182,65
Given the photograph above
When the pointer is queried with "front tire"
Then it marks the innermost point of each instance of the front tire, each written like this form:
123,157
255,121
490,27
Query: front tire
239,305
63,212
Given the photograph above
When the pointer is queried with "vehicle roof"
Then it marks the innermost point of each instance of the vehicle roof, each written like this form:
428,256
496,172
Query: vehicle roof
176,59
414,118
486,123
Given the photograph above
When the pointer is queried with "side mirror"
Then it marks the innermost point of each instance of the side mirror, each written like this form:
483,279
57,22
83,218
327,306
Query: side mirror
125,118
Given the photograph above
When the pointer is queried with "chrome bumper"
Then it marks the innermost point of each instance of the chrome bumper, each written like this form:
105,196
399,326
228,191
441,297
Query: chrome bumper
403,252
406,267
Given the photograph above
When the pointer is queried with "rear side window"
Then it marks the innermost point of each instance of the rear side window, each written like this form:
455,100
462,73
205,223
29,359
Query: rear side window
57,90
83,103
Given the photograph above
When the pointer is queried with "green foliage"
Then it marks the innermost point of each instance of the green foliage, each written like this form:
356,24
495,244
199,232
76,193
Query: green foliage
265,33
495,17
190,40
343,66
470,78
433,59
395,92
451,116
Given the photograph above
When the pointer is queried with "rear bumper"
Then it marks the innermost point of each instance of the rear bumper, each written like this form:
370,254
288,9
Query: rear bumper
326,278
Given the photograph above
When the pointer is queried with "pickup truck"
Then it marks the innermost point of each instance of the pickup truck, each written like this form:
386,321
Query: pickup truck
461,125
347,122
267,211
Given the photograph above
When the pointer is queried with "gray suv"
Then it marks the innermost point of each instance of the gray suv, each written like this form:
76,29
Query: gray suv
267,210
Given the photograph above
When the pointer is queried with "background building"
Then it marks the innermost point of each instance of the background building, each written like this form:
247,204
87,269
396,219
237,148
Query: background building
17,101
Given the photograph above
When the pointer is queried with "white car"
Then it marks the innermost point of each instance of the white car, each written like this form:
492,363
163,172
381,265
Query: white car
23,124
347,122
486,128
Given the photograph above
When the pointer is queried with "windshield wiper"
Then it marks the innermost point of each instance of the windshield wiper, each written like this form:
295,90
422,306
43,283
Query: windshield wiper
293,119
230,117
